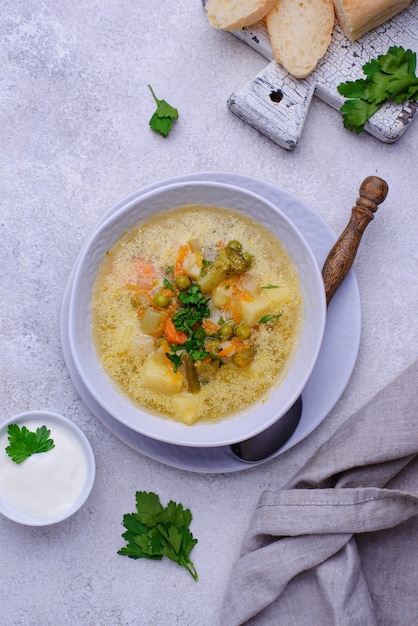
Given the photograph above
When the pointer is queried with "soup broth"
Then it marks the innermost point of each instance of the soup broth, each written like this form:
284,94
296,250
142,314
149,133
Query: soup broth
196,313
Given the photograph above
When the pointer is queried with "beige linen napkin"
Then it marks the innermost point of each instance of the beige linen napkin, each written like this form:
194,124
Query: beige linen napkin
339,545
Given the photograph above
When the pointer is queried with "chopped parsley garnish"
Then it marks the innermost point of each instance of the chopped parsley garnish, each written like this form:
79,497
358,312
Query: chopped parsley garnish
24,442
194,311
175,359
269,318
194,347
188,319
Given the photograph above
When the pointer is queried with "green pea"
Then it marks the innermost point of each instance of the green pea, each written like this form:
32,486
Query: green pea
214,345
243,331
244,358
234,244
161,299
247,258
183,282
226,330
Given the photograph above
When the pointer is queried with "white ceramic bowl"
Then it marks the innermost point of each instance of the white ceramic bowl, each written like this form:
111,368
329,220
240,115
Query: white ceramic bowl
267,410
50,486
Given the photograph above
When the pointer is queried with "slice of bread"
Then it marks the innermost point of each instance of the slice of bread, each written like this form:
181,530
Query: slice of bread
300,33
357,17
235,14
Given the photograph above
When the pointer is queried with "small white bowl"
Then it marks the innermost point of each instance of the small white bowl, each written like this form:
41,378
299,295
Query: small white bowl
48,487
267,410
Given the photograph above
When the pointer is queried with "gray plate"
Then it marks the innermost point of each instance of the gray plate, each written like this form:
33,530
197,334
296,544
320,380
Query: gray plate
332,370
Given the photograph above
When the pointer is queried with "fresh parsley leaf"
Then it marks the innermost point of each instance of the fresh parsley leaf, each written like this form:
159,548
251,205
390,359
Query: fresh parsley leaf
164,116
356,113
134,551
270,287
137,540
24,442
133,525
149,507
389,77
352,88
153,532
176,514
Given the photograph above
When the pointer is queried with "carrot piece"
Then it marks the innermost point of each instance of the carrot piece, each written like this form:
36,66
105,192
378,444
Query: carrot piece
172,334
209,327
181,255
144,273
235,310
243,295
231,347
227,350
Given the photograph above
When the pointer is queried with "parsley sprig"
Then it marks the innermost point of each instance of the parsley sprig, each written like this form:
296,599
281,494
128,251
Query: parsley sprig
154,532
163,117
390,76
23,442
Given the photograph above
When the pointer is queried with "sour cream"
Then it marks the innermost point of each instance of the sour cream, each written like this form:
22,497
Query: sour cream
47,485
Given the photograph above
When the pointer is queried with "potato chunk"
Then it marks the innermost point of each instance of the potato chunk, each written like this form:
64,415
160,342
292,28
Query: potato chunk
160,376
221,295
125,336
186,408
252,310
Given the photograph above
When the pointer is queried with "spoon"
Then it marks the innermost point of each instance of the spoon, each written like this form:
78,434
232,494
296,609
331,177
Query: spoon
373,192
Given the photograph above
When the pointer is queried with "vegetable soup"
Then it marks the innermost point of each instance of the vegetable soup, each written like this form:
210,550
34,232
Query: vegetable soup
196,313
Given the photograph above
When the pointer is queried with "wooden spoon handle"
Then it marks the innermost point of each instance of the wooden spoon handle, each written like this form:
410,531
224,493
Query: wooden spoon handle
373,192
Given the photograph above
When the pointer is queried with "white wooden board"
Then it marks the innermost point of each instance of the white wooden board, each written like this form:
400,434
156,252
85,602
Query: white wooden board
282,121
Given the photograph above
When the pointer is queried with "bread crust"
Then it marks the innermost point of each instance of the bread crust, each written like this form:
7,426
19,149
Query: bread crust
357,17
235,14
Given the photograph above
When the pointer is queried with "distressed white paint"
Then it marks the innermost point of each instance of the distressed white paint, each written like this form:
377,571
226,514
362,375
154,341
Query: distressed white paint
283,121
